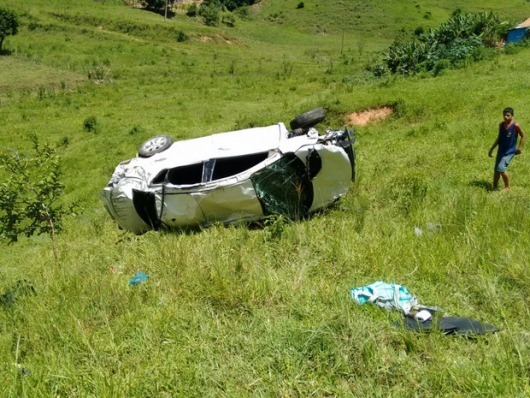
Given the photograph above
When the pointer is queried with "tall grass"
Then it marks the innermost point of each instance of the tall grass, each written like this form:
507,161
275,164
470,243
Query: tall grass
237,311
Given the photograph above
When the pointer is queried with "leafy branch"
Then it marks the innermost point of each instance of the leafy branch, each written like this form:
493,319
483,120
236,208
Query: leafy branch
29,194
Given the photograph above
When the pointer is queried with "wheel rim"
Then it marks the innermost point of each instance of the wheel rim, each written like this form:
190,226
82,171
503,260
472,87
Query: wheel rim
155,144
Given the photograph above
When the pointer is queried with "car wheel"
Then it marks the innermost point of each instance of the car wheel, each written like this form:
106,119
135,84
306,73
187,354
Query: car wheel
155,145
308,119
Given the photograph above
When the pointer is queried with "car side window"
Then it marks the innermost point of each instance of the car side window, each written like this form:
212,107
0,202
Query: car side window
228,167
185,175
211,170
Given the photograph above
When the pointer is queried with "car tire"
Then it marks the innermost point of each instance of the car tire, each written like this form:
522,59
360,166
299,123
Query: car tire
155,145
308,119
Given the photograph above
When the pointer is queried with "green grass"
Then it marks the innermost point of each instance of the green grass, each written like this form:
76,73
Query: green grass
237,311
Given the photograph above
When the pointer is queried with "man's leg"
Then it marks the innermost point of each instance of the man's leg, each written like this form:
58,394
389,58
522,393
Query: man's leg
496,177
506,180
501,164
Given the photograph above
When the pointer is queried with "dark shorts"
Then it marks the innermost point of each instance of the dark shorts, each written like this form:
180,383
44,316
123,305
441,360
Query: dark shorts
502,162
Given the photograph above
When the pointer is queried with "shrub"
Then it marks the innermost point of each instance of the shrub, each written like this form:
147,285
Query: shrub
228,20
511,48
210,13
440,65
419,31
136,130
379,69
232,5
29,194
99,73
8,25
456,40
482,54
155,3
181,36
300,5
90,125
64,142
242,12
192,10
400,108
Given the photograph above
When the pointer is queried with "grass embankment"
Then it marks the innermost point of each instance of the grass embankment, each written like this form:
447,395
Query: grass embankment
264,312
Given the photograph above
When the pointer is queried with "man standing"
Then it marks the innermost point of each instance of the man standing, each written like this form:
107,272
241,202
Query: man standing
509,130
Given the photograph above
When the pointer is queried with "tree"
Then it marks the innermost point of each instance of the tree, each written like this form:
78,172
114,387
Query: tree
8,25
209,10
192,10
231,5
155,3
29,192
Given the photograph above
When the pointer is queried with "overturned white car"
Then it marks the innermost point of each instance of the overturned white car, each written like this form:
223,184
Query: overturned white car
229,177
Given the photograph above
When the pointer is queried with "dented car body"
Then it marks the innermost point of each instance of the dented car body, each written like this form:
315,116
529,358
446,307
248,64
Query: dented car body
231,177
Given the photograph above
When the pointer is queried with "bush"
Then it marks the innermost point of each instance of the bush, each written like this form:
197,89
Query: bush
228,20
456,40
210,13
8,25
232,5
300,5
400,108
91,125
181,36
136,130
483,54
192,10
379,69
242,12
29,194
155,3
441,65
511,48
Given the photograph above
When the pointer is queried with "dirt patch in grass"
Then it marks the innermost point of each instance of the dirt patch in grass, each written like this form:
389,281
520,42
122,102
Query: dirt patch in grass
218,40
362,118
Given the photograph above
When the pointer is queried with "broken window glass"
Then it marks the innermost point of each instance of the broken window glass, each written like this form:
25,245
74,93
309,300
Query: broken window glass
284,187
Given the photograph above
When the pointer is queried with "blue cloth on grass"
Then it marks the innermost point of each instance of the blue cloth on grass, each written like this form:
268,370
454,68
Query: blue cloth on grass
390,296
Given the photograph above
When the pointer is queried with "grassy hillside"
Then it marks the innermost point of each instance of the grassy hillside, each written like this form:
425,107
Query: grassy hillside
233,311
373,19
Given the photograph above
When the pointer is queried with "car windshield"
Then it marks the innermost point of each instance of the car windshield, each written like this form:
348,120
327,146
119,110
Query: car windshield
284,187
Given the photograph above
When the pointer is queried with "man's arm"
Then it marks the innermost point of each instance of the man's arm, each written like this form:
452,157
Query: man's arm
522,141
490,153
